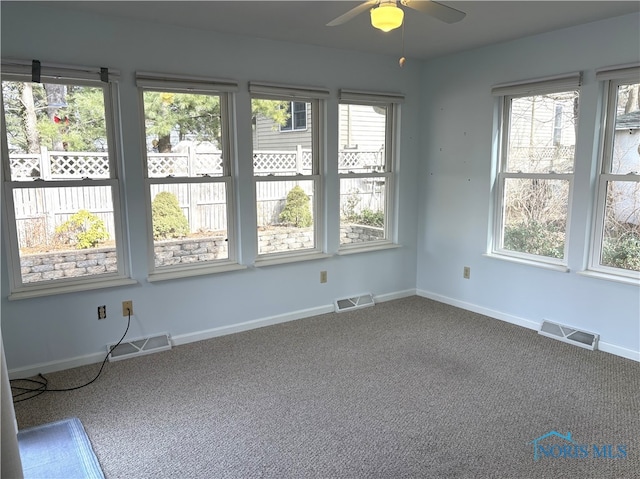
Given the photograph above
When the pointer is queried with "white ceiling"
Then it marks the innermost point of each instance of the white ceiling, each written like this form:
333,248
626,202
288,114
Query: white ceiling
487,22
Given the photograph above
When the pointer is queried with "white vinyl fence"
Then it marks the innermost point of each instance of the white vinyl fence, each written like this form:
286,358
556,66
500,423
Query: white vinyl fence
40,210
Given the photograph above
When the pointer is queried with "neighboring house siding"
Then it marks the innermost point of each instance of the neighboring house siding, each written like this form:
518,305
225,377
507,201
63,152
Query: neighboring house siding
267,135
541,133
360,129
364,134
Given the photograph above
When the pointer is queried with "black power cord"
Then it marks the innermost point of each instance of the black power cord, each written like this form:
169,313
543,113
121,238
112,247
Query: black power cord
40,386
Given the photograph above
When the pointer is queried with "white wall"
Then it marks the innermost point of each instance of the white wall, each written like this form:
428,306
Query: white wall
54,332
446,156
456,175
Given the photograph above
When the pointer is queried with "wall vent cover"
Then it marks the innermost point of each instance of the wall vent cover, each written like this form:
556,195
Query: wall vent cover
360,301
574,336
139,347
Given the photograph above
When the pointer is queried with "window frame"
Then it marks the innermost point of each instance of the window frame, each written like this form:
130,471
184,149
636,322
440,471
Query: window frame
611,79
316,97
107,80
392,102
504,94
225,90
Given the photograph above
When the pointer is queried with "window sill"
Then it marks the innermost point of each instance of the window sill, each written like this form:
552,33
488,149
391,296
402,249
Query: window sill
289,258
610,277
193,271
370,247
50,290
538,264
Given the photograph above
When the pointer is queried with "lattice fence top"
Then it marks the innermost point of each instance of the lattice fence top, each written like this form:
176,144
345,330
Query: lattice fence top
275,162
356,160
59,165
181,164
557,158
70,165
208,164
25,166
167,164
79,164
543,153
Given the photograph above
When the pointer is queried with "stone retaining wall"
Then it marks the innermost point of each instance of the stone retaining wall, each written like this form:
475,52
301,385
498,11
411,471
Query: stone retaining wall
47,266
359,234
281,239
184,251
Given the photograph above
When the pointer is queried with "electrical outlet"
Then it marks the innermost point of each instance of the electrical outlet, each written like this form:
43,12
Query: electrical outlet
466,273
127,308
323,276
102,312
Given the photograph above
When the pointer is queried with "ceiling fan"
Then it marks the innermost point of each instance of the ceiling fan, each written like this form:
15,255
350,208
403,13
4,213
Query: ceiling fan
386,15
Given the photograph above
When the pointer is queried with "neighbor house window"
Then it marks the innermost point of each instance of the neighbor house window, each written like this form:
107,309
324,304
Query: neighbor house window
189,182
616,239
536,165
287,173
366,158
296,116
60,174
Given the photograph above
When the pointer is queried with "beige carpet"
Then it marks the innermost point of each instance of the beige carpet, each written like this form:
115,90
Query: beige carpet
410,388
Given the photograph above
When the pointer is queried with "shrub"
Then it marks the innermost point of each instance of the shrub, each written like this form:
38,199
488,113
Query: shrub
543,239
168,219
83,229
349,205
297,211
622,251
371,218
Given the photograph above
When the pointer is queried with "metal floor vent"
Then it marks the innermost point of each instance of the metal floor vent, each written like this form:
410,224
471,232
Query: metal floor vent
584,339
139,347
361,301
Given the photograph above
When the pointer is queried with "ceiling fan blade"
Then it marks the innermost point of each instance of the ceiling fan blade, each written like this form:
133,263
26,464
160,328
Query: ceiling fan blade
354,12
436,10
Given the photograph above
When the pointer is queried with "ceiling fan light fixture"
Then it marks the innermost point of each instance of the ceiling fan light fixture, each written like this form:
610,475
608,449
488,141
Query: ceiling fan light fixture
387,16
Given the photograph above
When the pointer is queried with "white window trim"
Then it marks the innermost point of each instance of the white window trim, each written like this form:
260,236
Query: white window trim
612,78
225,89
21,70
504,93
392,101
316,96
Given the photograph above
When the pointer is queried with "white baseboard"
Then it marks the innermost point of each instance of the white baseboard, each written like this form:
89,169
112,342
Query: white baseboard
602,346
281,318
381,298
60,365
248,325
53,366
619,351
526,323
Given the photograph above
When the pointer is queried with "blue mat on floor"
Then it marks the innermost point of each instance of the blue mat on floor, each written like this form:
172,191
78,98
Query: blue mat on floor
58,450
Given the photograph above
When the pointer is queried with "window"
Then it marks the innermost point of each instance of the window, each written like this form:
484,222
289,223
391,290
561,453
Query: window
616,241
187,133
366,159
296,117
60,172
536,164
286,173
